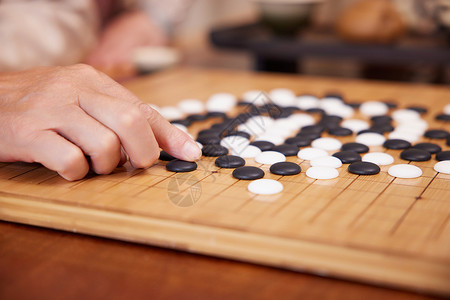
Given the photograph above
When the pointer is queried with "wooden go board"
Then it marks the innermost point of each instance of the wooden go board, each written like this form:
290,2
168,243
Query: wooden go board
377,229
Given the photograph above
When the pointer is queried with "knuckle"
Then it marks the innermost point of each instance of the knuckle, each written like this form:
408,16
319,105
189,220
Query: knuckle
130,118
84,69
109,143
147,161
73,160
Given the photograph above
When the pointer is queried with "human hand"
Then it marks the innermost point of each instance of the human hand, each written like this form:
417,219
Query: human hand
121,36
58,116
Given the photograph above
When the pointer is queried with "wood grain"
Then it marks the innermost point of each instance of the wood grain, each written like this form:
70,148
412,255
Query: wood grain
374,229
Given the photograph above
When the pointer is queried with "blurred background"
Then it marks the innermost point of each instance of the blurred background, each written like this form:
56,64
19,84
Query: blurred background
400,40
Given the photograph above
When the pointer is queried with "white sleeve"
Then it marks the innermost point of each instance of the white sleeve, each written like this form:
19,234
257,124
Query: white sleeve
46,32
168,13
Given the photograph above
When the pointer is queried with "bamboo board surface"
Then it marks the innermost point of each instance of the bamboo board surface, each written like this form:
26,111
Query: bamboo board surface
376,229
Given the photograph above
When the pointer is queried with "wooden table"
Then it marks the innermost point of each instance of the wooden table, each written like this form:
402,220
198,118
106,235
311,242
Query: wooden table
43,263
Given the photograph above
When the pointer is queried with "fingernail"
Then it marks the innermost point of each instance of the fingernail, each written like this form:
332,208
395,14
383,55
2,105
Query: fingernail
191,151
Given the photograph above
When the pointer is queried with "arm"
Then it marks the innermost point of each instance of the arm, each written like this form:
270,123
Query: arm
59,115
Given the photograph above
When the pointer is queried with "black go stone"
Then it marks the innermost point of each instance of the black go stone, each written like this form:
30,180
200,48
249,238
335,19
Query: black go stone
210,131
285,168
209,139
430,147
313,129
181,166
443,155
239,133
185,122
214,150
357,147
197,117
248,173
263,145
229,161
436,134
216,114
368,131
443,117
286,149
354,105
420,109
363,168
348,157
382,128
391,104
330,119
448,141
396,144
334,94
340,131
299,141
309,135
415,155
315,111
163,155
243,103
381,119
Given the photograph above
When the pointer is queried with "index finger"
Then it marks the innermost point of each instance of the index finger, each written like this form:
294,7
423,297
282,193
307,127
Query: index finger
173,140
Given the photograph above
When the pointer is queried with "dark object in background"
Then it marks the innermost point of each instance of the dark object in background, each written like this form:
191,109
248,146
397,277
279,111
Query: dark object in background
286,18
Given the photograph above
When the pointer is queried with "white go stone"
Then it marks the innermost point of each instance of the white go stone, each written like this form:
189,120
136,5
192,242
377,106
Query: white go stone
278,131
407,136
265,187
274,139
282,97
286,124
330,103
191,106
305,102
235,142
378,158
443,167
447,109
311,153
374,108
343,111
301,120
256,125
404,115
256,97
322,173
405,171
171,113
221,102
355,125
370,139
326,161
327,143
270,157
248,152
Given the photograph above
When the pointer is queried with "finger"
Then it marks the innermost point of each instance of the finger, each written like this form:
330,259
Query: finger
58,154
127,122
97,141
123,158
170,138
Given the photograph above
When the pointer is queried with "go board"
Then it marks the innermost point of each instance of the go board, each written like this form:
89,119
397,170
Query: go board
376,229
